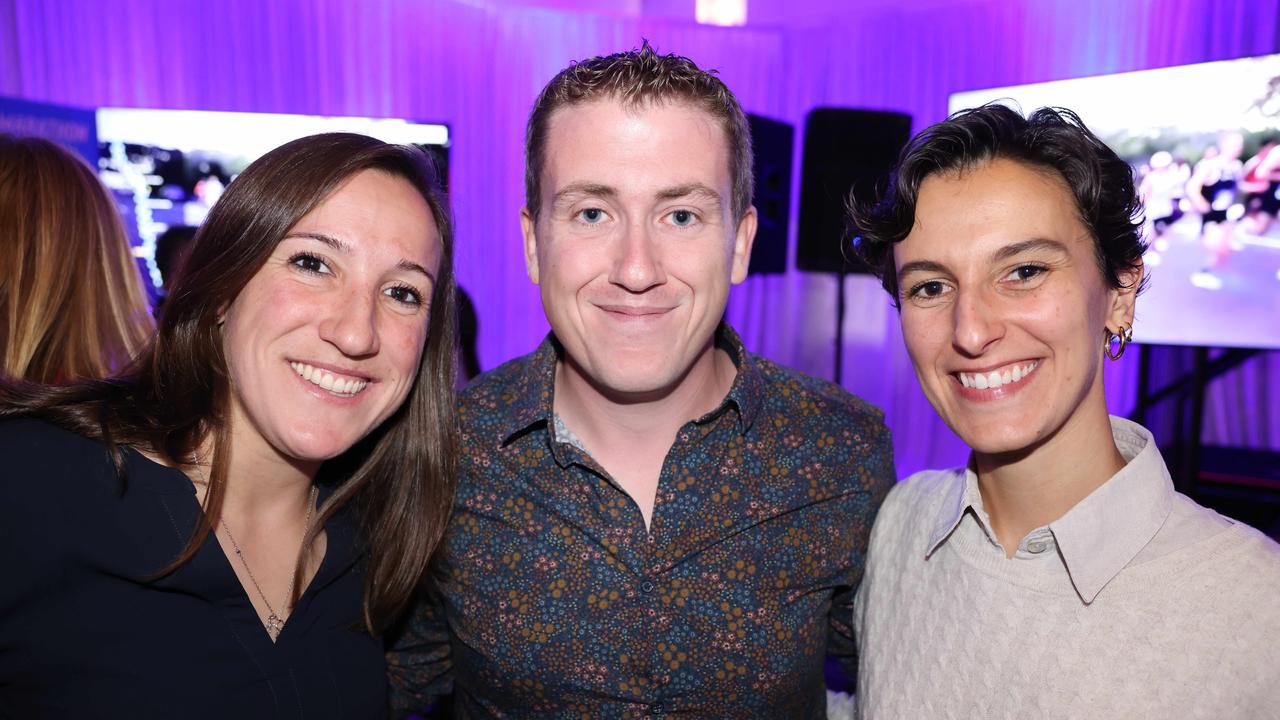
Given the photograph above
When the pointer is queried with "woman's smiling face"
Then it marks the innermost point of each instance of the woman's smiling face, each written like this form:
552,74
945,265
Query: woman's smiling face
323,344
1003,305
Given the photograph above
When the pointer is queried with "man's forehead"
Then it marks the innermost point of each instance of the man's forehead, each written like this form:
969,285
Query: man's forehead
610,142
698,118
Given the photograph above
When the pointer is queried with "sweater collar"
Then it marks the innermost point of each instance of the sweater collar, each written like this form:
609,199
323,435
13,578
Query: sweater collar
1100,535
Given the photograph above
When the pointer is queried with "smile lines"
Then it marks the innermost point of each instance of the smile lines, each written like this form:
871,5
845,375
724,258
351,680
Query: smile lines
996,378
338,386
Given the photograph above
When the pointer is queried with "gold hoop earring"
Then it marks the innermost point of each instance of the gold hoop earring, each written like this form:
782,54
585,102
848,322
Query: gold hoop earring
1119,339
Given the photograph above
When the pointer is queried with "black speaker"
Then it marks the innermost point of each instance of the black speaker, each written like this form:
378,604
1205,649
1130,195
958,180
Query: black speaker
772,142
845,151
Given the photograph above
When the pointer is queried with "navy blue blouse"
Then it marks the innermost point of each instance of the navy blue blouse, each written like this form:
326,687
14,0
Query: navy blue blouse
85,633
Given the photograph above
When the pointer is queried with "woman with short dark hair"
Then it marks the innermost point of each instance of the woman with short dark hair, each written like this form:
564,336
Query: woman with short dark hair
227,528
1058,574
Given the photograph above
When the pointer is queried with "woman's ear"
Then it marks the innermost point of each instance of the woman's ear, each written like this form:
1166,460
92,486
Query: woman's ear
1123,298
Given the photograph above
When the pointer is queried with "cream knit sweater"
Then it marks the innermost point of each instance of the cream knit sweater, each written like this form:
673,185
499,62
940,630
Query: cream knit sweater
1188,627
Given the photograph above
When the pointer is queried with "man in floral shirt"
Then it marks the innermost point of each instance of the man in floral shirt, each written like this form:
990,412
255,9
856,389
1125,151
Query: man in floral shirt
649,518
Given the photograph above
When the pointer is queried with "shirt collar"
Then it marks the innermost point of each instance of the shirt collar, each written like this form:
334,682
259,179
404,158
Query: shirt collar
747,391
959,498
1102,534
532,400
529,400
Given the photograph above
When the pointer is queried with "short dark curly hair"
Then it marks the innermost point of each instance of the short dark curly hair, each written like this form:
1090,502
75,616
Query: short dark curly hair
636,78
1053,139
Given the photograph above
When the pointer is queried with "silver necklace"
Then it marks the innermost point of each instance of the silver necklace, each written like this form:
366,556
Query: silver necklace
274,623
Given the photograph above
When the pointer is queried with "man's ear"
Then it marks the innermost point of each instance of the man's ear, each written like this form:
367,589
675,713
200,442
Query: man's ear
1124,298
742,242
528,228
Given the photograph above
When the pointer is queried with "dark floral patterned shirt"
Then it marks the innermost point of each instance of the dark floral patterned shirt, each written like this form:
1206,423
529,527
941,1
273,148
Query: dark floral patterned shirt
553,600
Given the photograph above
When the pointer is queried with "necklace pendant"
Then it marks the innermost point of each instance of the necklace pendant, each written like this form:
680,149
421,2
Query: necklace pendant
274,625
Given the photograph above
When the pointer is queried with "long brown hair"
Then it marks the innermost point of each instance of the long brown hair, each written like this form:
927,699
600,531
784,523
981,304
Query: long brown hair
176,395
71,300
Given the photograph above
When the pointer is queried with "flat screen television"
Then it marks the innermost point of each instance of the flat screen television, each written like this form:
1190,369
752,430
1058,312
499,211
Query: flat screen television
1204,143
168,167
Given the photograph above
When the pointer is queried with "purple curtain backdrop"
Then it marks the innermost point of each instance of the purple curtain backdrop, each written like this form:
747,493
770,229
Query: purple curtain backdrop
478,67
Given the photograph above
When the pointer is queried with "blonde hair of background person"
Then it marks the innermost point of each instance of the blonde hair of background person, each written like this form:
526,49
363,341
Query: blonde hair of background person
71,300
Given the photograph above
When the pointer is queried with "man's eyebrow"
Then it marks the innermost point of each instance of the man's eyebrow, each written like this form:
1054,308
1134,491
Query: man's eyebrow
345,248
583,189
1010,251
693,190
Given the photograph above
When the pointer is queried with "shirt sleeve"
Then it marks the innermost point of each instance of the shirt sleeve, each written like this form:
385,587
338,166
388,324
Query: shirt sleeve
419,660
878,478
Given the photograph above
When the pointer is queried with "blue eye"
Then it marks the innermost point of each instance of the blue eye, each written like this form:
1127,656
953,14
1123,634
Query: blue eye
683,218
591,215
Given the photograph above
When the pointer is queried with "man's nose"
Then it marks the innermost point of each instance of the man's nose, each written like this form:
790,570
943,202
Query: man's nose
637,265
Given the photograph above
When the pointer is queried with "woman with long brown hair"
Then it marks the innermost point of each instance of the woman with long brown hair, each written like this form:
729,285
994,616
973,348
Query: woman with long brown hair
71,300
227,528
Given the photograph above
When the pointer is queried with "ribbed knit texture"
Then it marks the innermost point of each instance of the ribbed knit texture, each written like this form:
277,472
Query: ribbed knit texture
1193,632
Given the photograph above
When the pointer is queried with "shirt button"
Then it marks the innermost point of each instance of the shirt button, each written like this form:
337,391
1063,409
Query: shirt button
656,709
647,587
1036,547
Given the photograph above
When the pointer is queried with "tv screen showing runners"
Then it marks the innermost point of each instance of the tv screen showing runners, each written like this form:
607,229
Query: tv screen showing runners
168,167
1204,143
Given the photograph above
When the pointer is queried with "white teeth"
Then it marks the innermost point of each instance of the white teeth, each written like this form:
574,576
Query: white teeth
338,386
995,379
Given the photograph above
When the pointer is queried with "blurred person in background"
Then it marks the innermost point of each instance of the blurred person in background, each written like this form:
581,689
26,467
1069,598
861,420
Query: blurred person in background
468,340
1213,191
1261,185
225,529
72,304
172,248
1162,191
